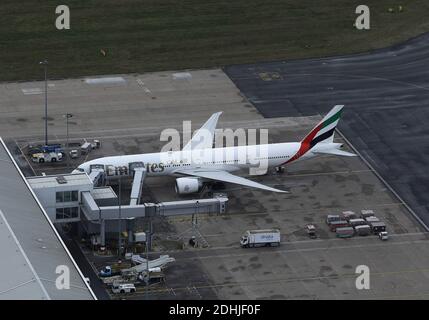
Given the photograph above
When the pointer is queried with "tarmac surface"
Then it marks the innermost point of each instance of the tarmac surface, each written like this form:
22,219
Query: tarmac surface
128,119
386,98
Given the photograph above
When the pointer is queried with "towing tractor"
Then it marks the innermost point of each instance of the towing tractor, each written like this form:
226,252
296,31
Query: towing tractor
259,238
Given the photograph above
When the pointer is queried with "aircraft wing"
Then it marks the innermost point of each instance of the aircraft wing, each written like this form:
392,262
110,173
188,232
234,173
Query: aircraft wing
203,138
227,177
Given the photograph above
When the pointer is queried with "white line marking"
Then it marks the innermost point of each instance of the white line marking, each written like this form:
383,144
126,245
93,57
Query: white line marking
32,91
106,80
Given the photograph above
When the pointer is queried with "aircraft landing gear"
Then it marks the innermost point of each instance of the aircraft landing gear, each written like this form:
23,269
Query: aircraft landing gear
280,169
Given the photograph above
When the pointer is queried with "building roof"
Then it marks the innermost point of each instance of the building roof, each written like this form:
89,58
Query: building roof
77,179
30,247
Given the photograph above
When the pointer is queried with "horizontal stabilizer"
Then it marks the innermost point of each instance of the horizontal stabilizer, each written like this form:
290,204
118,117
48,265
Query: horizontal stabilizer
336,152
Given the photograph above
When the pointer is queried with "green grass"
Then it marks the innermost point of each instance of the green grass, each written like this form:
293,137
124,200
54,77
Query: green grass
151,35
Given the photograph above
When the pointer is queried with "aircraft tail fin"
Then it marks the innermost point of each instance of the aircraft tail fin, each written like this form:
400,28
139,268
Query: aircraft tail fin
324,131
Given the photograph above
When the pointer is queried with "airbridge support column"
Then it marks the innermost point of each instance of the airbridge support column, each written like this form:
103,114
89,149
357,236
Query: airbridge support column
103,232
136,190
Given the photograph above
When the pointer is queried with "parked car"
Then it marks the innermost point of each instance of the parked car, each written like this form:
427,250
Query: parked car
332,217
74,154
311,231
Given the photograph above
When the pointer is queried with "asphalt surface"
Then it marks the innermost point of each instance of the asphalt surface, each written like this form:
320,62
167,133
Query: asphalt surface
386,98
85,267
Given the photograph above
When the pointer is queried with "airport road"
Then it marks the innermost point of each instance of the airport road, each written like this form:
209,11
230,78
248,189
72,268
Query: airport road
386,98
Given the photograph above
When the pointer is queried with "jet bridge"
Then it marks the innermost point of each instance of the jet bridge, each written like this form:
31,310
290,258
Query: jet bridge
136,190
97,176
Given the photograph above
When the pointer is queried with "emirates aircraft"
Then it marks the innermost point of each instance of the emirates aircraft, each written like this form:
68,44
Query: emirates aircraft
198,162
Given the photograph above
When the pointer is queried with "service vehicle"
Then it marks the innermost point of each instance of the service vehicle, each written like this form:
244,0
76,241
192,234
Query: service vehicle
107,271
96,144
311,231
46,157
378,227
383,236
123,288
257,238
86,147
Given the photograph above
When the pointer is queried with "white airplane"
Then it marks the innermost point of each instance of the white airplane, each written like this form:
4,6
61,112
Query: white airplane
199,162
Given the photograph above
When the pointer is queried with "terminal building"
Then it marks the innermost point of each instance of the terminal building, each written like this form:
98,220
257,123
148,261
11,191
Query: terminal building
33,253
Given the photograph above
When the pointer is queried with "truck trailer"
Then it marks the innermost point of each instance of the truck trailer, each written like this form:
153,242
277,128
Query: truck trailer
259,238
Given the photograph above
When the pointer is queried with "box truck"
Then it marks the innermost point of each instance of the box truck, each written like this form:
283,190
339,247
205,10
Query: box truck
357,222
258,238
378,227
363,230
347,215
345,232
338,224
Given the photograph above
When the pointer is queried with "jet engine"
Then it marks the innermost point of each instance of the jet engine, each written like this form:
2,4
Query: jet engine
188,185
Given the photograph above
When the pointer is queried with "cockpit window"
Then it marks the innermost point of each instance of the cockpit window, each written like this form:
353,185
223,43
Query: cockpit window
80,169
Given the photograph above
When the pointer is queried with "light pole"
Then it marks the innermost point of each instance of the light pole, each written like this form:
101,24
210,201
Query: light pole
68,116
147,279
45,65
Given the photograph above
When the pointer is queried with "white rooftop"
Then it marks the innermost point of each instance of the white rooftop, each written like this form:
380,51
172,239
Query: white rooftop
76,179
103,193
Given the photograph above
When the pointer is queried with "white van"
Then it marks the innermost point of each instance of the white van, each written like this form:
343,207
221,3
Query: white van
123,288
